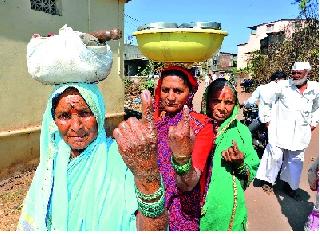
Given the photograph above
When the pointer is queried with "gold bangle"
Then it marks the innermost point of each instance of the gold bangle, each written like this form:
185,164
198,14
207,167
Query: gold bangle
180,157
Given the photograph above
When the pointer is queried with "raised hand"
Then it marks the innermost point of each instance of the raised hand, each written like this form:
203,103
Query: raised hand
233,154
181,138
137,141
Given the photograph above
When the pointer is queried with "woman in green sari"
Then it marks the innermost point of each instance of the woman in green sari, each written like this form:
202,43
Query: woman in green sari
234,161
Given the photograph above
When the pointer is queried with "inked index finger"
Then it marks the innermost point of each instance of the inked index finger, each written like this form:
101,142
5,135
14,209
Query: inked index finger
186,118
147,111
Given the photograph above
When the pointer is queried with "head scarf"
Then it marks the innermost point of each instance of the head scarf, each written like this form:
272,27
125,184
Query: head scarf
157,99
93,191
205,110
206,95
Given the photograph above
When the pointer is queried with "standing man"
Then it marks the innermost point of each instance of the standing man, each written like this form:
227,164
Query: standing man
264,93
293,114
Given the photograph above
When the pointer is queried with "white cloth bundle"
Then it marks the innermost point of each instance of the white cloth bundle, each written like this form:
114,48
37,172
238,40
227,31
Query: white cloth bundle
65,58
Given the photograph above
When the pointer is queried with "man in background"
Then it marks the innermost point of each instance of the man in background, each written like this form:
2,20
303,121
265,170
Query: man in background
264,93
293,112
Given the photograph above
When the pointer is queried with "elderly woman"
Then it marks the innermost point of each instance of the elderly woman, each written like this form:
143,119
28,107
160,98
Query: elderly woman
234,161
232,164
82,182
181,167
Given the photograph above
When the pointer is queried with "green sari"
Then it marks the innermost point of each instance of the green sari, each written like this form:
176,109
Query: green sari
224,207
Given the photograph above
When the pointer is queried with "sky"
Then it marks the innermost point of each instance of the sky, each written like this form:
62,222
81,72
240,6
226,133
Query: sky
235,16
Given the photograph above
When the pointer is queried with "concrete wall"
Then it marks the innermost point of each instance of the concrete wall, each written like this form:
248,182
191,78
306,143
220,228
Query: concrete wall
22,99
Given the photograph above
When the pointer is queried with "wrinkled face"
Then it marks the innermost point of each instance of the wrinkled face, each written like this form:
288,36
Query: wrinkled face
174,94
299,76
221,103
76,123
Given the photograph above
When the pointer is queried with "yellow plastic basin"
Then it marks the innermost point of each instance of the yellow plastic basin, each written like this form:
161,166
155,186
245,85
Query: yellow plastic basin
179,44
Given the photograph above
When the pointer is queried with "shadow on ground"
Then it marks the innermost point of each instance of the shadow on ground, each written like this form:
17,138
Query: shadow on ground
295,211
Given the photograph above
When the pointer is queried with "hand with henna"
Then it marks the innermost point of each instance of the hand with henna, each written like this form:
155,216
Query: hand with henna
181,138
101,35
233,155
181,141
137,143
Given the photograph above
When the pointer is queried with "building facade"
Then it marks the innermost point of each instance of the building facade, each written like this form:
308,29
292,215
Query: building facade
263,34
223,61
22,99
134,60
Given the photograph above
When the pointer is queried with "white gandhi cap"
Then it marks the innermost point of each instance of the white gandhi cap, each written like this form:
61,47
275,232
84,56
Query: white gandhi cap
301,66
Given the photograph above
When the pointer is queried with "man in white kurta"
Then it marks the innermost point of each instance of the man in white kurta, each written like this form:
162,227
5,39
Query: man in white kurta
293,114
263,93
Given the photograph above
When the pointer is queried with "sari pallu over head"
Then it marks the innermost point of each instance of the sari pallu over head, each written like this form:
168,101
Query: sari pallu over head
94,191
179,218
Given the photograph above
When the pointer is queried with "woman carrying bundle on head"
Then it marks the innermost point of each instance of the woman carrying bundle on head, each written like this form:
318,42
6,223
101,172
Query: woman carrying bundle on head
82,182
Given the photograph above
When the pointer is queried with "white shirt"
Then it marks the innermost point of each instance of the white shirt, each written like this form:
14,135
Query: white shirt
214,76
292,115
263,93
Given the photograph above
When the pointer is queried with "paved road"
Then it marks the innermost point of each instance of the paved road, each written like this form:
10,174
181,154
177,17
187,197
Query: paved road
277,211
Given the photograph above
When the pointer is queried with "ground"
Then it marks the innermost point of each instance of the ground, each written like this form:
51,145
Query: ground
266,212
12,193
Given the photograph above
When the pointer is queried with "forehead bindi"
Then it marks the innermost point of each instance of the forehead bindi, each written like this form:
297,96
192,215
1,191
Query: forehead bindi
74,100
69,102
225,93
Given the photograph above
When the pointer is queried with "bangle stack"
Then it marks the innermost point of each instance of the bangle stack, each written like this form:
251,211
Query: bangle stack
242,169
147,206
181,169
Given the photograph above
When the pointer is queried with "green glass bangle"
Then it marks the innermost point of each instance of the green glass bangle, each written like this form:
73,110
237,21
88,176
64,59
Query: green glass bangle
152,209
150,197
181,169
242,169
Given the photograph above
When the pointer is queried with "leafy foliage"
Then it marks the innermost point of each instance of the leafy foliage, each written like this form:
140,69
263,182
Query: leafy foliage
151,68
148,83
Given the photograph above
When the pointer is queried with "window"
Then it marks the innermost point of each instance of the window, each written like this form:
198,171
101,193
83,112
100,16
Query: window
253,32
47,6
